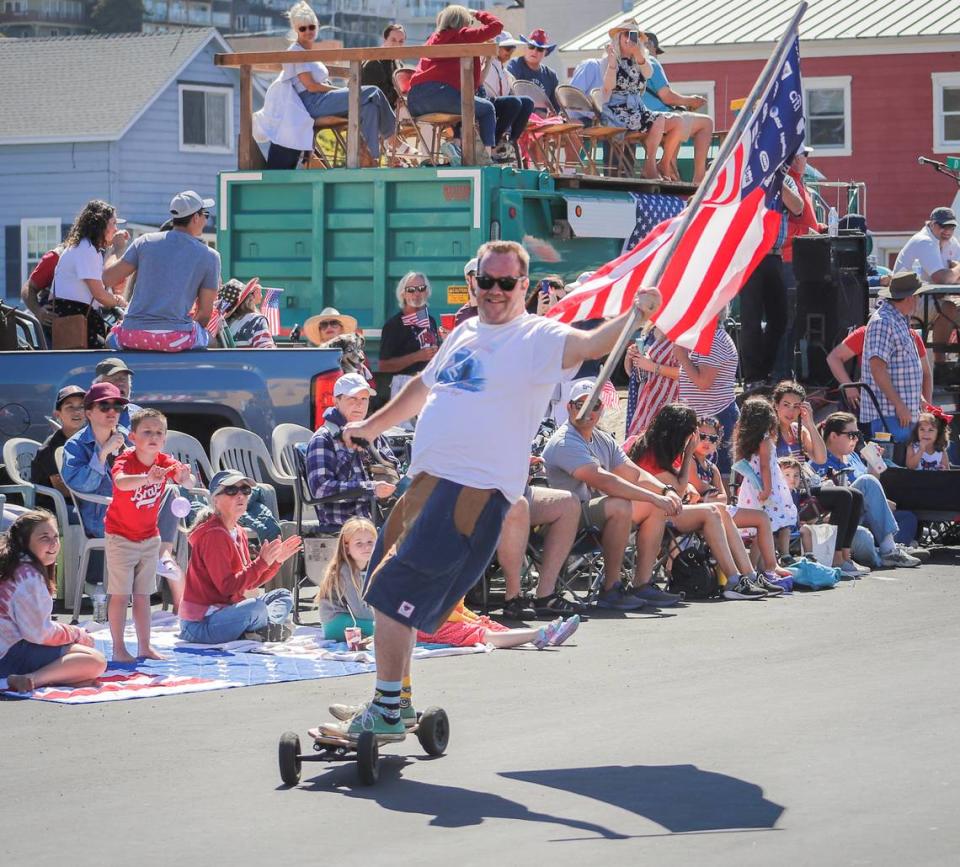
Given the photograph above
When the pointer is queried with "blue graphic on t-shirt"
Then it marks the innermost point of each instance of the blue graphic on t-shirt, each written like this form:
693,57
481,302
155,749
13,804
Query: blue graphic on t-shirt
463,370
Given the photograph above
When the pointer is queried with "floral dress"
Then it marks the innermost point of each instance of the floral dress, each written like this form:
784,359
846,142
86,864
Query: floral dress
626,108
780,507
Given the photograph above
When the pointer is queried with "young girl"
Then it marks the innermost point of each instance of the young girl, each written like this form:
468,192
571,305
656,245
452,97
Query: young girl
464,628
34,650
754,443
928,443
704,478
340,594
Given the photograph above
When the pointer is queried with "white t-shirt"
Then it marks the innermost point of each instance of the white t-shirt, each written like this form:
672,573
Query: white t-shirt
83,262
489,386
925,247
315,69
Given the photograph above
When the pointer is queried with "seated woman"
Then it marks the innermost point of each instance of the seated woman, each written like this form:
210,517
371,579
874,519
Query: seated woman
843,466
214,609
307,86
666,450
435,86
35,651
241,309
78,279
624,81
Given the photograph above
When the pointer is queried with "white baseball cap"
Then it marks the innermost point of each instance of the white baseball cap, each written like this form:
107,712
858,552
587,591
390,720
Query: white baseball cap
581,389
351,384
187,203
471,267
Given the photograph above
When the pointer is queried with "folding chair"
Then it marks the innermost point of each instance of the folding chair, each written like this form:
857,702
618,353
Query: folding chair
437,122
573,102
551,140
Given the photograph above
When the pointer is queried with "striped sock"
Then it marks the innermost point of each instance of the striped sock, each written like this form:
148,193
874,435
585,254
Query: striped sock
406,692
386,698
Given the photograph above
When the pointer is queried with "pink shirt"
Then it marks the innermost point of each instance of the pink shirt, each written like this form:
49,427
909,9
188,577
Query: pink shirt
25,609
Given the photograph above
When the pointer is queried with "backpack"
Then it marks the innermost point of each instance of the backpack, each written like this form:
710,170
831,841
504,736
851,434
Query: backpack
692,574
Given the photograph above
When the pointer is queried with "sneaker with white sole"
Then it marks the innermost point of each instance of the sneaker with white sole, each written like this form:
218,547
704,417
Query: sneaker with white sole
346,712
743,589
561,632
764,583
653,595
899,559
367,719
849,569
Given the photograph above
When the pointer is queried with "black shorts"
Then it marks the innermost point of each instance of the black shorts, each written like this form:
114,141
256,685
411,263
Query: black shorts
436,544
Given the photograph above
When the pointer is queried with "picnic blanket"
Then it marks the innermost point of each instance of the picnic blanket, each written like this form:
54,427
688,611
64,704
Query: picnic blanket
202,667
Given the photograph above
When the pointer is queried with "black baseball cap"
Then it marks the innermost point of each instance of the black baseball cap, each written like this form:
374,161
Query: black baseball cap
68,391
943,217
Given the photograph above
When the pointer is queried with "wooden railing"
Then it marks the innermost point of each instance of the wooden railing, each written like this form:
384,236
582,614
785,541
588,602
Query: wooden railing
249,156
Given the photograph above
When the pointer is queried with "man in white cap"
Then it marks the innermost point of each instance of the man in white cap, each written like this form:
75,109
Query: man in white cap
469,310
175,270
333,469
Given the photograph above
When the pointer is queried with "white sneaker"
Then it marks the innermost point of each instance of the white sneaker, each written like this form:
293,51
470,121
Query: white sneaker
898,558
853,570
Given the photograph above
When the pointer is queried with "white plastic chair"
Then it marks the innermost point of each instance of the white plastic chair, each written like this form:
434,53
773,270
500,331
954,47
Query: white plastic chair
18,457
18,468
232,448
188,450
285,438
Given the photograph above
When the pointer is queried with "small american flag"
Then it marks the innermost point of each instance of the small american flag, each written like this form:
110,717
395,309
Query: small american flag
420,318
271,309
216,319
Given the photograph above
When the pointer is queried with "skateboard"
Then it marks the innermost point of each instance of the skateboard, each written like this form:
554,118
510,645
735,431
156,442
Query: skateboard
432,730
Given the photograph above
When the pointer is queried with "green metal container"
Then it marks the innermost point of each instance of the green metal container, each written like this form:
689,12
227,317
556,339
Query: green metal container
343,238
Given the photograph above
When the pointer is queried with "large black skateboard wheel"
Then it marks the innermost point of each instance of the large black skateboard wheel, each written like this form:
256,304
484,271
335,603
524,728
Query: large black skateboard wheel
368,758
433,731
289,758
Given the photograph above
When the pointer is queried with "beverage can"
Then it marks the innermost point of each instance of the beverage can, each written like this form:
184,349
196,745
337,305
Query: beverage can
353,636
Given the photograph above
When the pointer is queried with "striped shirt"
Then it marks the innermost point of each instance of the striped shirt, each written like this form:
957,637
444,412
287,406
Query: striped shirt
655,391
890,339
723,356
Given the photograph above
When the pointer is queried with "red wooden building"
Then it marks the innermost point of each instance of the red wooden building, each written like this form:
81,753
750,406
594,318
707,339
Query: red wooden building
881,82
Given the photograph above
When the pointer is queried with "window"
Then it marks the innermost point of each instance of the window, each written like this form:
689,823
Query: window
827,102
697,88
206,118
37,236
946,112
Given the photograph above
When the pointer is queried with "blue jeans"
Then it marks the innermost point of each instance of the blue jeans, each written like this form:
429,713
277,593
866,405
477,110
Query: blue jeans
433,96
728,419
229,623
900,434
376,117
877,516
513,112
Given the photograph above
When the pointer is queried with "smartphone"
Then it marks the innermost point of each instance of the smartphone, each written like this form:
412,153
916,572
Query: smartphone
638,342
633,36
545,288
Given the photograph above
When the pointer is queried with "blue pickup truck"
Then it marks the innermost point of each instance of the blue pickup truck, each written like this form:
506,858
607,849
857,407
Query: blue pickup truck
255,389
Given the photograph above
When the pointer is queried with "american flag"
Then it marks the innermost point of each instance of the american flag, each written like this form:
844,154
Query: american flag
216,318
652,208
271,309
420,318
736,224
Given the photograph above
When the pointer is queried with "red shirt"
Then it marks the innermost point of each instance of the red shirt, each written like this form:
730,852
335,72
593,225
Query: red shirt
854,341
133,514
802,223
447,70
42,275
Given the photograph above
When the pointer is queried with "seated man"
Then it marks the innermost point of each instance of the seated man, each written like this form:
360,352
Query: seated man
332,468
115,371
68,411
531,67
558,514
614,493
175,270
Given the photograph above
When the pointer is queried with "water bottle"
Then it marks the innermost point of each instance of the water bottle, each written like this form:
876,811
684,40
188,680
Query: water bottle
917,269
833,223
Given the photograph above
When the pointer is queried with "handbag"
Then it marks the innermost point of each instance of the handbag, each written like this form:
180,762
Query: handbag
824,542
70,331
692,574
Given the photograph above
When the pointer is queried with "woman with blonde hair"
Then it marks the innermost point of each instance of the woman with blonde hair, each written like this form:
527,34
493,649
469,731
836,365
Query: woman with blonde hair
435,86
410,338
303,92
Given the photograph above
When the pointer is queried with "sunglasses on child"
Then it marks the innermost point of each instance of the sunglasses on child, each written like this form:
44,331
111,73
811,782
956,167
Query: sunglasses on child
111,406
233,490
486,282
710,438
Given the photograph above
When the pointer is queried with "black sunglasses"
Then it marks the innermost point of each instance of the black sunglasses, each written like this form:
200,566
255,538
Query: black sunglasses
539,50
233,490
486,282
850,434
415,289
110,406
329,323
307,27
713,438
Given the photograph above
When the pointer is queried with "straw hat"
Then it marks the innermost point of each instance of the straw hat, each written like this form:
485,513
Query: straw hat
311,328
626,26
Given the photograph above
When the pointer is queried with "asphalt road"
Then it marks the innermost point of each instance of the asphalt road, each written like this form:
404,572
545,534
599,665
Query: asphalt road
819,729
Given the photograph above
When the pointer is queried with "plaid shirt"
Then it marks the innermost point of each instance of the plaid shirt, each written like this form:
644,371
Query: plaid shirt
888,338
332,468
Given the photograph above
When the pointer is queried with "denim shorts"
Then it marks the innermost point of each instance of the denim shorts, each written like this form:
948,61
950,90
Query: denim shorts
24,657
436,544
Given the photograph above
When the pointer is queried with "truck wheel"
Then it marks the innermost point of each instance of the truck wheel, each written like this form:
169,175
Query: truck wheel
289,757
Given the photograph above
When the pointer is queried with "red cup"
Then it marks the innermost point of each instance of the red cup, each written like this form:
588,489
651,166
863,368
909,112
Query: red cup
448,321
353,636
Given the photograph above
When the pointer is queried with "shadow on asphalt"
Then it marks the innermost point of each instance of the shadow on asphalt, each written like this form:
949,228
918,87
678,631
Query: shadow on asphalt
680,798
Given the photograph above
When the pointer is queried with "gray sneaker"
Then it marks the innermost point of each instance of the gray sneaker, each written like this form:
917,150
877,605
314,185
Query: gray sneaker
619,599
899,559
653,595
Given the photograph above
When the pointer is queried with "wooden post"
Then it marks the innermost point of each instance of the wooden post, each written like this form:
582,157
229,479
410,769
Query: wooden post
468,134
246,120
353,116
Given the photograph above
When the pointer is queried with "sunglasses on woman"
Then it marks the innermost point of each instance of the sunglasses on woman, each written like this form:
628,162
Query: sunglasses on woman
850,434
486,282
307,27
329,323
110,406
233,490
709,438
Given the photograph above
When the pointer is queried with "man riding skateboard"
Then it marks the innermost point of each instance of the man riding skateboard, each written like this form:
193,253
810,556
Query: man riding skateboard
488,385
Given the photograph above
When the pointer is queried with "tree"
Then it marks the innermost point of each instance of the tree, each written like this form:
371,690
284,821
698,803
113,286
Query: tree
117,16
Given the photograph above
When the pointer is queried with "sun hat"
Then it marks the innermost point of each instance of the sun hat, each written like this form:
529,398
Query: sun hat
538,39
903,284
311,328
